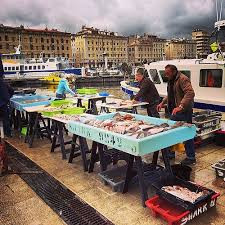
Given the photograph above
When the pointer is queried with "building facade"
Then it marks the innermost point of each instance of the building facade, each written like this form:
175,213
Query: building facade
91,45
145,48
35,42
202,41
180,49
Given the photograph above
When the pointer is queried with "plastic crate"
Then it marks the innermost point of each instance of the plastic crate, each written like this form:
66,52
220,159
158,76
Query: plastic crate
220,138
51,113
220,168
20,102
172,180
182,171
116,176
202,115
137,147
73,111
87,91
58,103
173,214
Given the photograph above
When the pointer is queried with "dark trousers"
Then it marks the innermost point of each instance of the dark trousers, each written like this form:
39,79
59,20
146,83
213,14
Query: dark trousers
5,116
189,145
60,96
152,111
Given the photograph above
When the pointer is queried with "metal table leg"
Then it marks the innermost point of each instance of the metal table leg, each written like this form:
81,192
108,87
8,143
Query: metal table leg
55,134
61,140
94,156
129,173
34,130
144,194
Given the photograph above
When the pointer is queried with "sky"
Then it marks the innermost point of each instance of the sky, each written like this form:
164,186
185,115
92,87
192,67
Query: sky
165,18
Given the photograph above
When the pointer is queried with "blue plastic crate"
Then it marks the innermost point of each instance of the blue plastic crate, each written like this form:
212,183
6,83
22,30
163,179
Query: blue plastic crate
19,102
137,147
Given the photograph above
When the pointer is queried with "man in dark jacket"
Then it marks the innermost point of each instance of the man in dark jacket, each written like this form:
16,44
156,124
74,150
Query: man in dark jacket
6,93
147,93
180,101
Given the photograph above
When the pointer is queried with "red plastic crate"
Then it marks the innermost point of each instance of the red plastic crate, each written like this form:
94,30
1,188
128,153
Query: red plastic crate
172,214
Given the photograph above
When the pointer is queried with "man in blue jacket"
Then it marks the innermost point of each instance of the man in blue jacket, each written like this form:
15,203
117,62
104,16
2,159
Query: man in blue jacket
6,92
63,88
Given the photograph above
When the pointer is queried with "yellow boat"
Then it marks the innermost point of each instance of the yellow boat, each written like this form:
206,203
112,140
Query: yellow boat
52,79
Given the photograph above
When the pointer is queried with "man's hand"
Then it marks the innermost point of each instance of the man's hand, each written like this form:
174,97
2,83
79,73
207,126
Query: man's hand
160,106
176,110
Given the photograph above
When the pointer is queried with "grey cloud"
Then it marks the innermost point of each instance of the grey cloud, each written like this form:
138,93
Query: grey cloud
165,18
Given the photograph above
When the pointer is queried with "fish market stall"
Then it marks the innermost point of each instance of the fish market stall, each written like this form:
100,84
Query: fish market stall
38,114
133,134
19,102
60,121
92,100
120,105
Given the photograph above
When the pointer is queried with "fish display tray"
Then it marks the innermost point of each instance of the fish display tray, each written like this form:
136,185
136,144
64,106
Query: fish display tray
175,215
207,122
172,180
220,168
87,91
58,103
137,147
19,102
73,111
116,176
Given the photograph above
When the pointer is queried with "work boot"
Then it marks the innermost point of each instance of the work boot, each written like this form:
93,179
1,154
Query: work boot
188,162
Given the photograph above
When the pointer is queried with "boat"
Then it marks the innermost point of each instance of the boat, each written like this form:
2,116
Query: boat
207,76
16,66
51,79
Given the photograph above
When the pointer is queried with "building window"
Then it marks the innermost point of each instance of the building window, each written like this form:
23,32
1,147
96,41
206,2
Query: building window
43,47
36,47
30,67
42,40
62,41
6,38
63,55
5,68
88,42
43,67
9,68
34,67
31,39
17,68
25,67
0,46
47,47
154,75
211,78
39,67
7,46
47,40
67,41
31,47
68,55
62,47
0,38
53,47
67,48
52,40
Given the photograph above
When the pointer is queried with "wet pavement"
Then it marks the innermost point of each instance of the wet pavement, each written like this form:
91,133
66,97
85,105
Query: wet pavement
20,205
